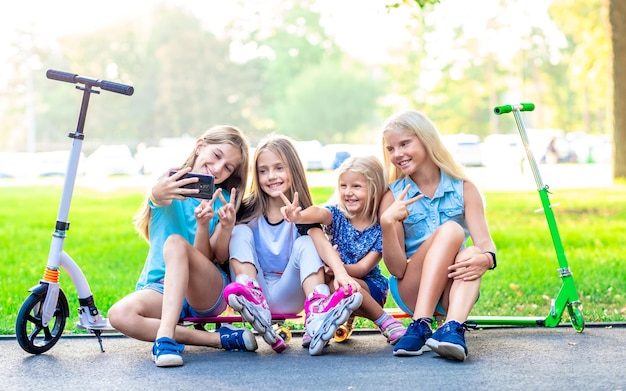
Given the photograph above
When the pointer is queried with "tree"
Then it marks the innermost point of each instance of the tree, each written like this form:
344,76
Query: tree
587,64
328,102
617,16
184,79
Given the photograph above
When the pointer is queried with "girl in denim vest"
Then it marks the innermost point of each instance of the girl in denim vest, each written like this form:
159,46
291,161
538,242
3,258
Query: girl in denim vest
427,216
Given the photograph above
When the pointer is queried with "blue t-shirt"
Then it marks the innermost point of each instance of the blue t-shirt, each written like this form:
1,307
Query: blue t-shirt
427,214
175,218
353,244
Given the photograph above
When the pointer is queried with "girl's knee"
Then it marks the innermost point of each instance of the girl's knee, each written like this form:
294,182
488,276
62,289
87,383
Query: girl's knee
304,243
468,252
174,246
174,242
118,316
452,227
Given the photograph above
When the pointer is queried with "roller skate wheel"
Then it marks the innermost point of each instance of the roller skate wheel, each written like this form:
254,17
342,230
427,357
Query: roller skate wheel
279,346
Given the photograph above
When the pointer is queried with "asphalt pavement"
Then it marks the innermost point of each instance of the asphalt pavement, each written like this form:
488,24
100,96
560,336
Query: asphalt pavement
522,358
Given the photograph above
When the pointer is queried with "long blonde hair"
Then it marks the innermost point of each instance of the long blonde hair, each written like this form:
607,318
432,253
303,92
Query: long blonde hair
220,134
257,201
372,169
414,122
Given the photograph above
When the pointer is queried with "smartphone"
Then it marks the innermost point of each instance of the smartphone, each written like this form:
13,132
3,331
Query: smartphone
206,184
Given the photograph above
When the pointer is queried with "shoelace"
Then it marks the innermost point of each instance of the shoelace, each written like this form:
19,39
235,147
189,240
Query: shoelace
414,326
469,325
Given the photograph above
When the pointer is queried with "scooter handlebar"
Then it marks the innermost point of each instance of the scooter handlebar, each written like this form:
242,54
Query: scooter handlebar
104,84
508,108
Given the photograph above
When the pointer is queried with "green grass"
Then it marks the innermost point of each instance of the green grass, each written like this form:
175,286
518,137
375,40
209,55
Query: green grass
103,242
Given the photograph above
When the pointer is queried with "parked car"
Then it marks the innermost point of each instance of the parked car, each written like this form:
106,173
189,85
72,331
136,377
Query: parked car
156,160
311,154
16,164
54,163
503,150
466,148
590,148
112,160
335,154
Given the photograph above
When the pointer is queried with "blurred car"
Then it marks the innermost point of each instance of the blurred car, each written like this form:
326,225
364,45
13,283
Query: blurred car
590,148
16,164
156,160
503,150
340,157
335,154
54,163
466,148
311,154
559,150
112,160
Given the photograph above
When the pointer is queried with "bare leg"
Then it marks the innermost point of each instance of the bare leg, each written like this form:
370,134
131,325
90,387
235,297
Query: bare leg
138,316
463,294
246,268
427,271
369,308
188,274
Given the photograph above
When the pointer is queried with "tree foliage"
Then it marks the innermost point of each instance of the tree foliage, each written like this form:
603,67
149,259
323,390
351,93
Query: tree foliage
618,35
276,68
326,101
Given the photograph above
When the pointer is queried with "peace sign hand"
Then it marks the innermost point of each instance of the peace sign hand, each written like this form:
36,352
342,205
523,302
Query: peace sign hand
398,211
227,214
204,212
291,210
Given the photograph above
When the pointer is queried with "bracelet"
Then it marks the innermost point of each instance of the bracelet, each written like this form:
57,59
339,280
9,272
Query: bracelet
493,257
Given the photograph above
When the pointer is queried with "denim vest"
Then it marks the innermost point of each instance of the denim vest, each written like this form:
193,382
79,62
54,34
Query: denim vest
427,214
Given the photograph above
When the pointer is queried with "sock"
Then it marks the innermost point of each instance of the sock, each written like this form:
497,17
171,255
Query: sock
244,279
322,289
379,322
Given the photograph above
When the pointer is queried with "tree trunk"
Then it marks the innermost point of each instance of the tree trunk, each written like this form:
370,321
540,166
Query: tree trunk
617,16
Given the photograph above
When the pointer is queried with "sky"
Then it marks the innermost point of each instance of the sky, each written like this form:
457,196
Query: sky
360,26
363,28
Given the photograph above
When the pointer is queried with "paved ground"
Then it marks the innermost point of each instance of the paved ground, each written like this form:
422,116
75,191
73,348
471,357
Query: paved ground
500,359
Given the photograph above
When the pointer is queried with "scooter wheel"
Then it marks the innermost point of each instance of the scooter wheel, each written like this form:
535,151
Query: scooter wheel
30,332
577,318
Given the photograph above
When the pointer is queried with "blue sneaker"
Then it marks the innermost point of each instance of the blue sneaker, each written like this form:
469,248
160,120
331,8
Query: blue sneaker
167,353
449,340
414,340
237,339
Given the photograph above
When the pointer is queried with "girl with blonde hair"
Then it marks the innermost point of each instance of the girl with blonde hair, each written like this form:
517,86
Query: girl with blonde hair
427,216
351,222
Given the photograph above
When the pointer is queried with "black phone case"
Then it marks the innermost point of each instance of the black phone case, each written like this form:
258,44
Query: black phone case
206,184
